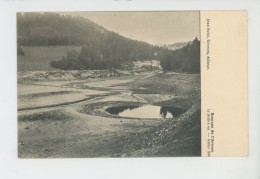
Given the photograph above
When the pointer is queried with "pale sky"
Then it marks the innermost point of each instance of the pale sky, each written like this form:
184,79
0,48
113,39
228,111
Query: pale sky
153,27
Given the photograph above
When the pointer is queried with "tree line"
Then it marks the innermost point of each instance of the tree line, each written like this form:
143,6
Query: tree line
101,49
186,59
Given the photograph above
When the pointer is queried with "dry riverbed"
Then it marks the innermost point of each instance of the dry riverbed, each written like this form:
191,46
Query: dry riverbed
70,118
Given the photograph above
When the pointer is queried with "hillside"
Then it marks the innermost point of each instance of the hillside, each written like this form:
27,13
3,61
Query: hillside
36,29
38,58
186,59
97,48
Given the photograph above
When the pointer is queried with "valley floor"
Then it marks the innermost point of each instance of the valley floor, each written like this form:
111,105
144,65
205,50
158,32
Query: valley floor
68,118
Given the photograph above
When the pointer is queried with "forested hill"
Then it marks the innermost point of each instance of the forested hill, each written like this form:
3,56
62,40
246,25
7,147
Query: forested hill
37,29
101,49
53,29
186,59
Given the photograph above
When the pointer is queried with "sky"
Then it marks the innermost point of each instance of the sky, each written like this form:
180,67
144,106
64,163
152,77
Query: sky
156,28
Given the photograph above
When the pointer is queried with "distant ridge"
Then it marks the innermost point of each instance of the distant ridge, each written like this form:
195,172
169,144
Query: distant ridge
177,45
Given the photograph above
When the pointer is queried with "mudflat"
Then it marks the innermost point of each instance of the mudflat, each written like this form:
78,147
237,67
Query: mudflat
69,118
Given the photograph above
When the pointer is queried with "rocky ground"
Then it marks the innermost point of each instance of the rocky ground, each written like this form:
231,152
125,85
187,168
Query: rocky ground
64,115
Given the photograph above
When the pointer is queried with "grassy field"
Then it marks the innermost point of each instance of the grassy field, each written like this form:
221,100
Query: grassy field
37,58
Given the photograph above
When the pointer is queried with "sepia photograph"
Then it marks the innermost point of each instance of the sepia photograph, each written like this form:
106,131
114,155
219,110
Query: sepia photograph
108,84
129,89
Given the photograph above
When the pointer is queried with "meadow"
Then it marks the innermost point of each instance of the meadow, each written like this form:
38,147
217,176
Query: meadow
38,58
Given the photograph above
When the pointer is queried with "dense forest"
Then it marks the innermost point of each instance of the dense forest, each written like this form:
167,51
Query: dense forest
101,49
186,59
36,29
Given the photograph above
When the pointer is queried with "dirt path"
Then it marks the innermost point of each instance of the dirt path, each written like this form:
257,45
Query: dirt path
56,105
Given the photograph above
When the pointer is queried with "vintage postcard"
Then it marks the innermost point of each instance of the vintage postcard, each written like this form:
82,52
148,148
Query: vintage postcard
132,84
